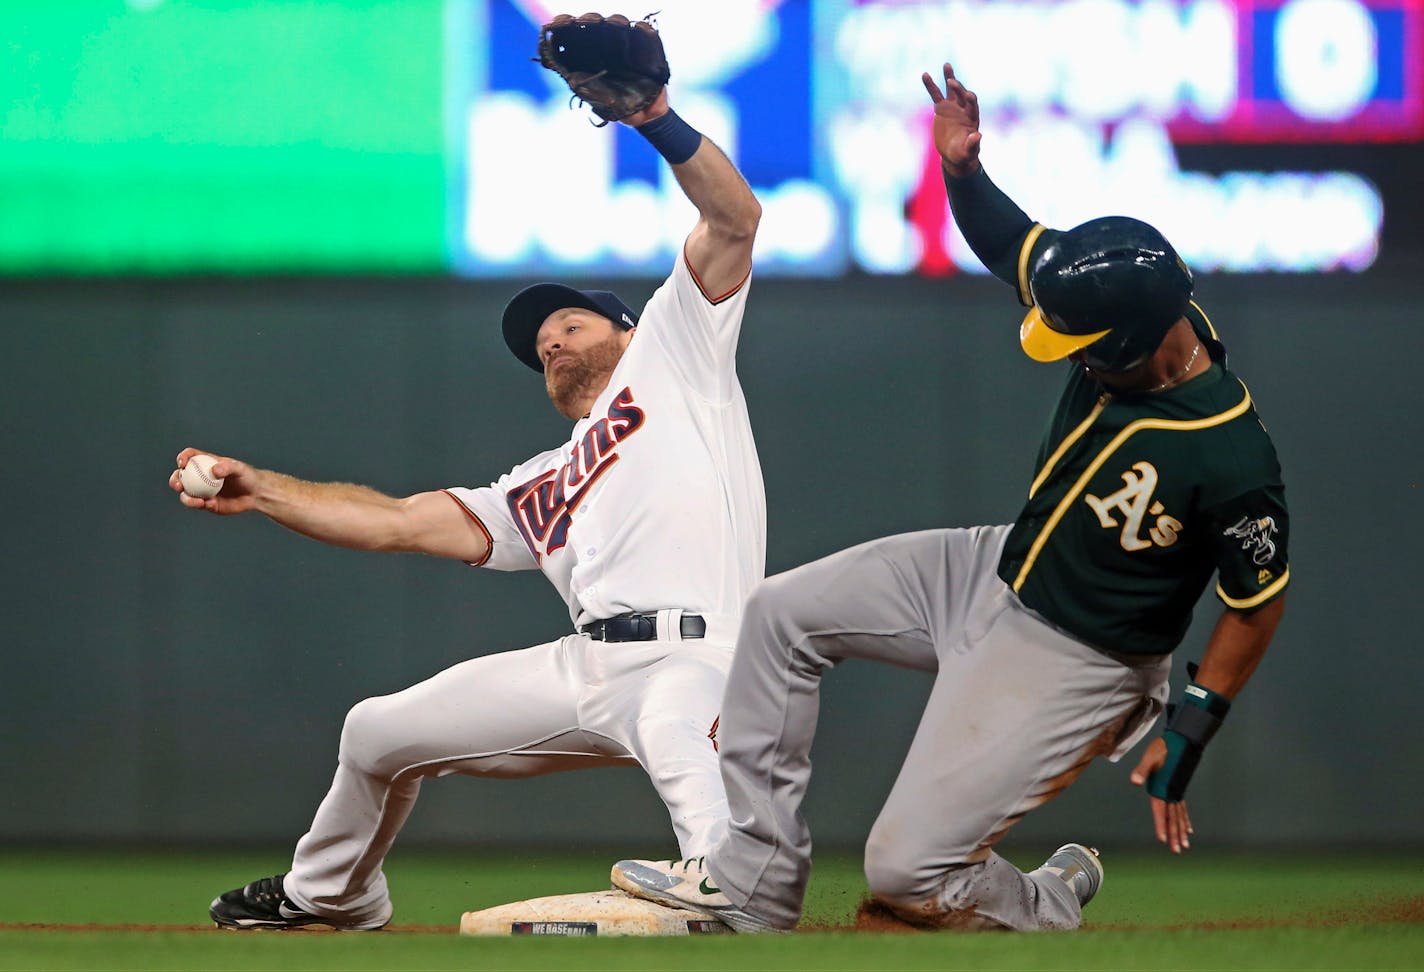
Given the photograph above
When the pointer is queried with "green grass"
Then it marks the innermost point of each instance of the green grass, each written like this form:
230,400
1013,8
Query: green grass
1202,912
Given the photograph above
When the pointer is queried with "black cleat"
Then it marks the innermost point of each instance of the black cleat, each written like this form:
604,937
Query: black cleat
261,904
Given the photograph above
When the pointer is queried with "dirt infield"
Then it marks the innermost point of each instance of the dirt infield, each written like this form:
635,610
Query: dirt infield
871,918
874,918
450,929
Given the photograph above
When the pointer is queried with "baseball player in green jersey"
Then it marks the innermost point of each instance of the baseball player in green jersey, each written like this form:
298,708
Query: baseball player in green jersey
1050,640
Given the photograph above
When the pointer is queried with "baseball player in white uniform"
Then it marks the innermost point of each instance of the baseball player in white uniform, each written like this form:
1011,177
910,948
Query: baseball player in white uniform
650,521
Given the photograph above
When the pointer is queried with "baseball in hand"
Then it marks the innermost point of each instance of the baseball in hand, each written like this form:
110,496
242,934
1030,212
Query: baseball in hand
198,479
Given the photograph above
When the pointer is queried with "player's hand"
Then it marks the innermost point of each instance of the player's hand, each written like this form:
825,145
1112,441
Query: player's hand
239,489
657,109
1173,825
956,123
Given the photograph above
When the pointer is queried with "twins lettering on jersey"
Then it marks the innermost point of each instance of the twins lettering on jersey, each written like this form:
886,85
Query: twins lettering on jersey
1134,502
543,507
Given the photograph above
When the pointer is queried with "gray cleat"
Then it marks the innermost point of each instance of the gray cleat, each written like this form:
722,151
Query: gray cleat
684,884
1079,867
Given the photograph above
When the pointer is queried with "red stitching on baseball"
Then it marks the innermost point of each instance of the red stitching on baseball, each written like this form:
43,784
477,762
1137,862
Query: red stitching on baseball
202,473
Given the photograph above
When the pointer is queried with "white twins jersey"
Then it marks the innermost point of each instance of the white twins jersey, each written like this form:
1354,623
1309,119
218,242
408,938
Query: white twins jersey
656,501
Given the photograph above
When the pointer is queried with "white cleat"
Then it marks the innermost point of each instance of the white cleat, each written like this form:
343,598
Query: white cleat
684,884
1079,867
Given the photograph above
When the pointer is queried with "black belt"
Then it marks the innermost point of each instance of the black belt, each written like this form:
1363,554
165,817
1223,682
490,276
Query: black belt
640,627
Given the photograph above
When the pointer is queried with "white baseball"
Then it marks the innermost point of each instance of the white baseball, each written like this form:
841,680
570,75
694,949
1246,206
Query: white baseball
198,479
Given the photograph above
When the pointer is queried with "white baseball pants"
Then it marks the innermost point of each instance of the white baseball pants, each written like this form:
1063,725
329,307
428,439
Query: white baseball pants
570,704
1017,710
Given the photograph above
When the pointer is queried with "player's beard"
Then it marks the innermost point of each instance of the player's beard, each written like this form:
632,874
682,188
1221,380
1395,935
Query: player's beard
573,386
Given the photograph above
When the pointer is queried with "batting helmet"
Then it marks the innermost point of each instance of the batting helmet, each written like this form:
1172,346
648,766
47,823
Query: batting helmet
1110,288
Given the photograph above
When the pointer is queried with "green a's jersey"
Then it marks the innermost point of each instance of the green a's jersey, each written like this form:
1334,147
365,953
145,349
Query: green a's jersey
1139,498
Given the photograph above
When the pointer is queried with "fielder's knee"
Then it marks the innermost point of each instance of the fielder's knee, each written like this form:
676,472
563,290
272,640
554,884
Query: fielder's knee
366,735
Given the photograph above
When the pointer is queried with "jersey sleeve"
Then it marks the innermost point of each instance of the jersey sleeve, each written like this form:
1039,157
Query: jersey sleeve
488,507
1251,534
1001,235
698,331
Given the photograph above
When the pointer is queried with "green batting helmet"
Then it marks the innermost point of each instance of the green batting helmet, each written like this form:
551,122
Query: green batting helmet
1110,288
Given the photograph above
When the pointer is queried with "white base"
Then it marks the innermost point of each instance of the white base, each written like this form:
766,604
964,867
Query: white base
607,913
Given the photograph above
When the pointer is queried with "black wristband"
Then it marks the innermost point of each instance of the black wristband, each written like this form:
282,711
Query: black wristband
675,139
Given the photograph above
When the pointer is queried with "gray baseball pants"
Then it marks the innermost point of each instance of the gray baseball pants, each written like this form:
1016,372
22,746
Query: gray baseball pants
1017,710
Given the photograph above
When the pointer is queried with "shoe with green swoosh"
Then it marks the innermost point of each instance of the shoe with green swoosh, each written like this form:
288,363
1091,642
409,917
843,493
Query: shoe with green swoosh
684,884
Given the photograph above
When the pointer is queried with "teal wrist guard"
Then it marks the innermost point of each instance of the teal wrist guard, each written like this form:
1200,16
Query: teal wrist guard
1190,725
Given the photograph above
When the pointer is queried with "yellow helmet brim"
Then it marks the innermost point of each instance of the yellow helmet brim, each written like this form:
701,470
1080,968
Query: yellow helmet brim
1042,343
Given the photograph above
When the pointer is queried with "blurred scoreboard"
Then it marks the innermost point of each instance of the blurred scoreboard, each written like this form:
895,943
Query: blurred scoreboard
821,104
398,136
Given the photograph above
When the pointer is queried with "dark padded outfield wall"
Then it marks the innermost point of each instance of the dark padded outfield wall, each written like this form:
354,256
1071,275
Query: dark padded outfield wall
172,675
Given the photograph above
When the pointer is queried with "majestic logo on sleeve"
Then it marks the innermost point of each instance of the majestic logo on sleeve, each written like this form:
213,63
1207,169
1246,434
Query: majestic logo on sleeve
543,507
1134,504
1257,536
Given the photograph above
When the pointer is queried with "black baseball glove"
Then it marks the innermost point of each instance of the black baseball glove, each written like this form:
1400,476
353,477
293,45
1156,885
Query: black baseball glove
615,66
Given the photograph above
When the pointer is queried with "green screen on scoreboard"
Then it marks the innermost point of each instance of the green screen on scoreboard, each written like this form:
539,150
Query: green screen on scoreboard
154,136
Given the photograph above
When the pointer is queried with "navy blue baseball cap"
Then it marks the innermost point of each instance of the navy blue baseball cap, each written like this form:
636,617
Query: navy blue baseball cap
526,312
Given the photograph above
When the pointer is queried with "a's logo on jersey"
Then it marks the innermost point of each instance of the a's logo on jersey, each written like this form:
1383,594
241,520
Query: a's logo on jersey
1134,502
712,733
543,507
1256,535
